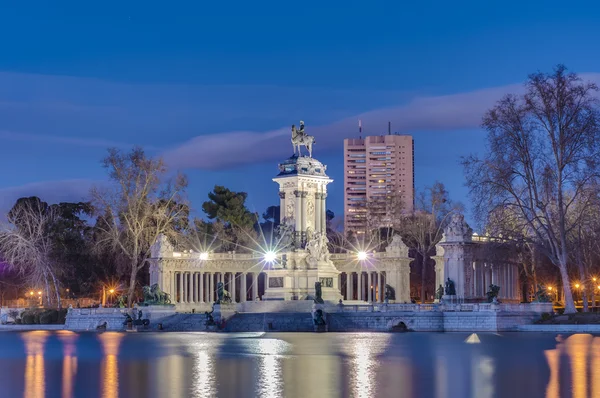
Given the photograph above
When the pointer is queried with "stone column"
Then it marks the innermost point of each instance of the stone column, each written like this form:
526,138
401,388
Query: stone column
172,289
233,288
181,287
381,287
243,290
297,215
303,195
194,287
254,285
323,212
282,210
190,287
369,284
211,287
318,212
359,286
200,287
350,286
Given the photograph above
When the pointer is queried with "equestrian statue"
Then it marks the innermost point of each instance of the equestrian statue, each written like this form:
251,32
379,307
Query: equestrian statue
300,138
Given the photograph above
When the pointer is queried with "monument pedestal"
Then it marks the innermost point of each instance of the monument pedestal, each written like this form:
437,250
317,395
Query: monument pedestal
299,284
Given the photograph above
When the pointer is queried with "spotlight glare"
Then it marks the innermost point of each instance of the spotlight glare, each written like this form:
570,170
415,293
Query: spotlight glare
362,255
204,256
270,257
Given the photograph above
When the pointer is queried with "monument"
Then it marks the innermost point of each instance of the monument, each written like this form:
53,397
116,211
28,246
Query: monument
303,233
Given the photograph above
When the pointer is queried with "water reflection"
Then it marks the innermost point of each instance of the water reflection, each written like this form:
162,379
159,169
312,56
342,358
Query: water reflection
69,366
364,349
35,384
270,372
66,364
204,370
110,370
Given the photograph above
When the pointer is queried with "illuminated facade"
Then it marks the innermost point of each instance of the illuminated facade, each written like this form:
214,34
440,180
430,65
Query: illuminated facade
378,176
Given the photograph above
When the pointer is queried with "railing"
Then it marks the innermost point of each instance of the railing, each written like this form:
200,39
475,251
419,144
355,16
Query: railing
459,307
97,311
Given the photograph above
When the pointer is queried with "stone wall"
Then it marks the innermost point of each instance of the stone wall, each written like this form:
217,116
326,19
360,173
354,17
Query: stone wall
80,319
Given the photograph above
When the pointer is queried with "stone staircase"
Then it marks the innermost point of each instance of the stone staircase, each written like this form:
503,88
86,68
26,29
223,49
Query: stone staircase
182,323
270,322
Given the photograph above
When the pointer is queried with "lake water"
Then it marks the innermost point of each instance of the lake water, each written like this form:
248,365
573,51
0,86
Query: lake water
65,364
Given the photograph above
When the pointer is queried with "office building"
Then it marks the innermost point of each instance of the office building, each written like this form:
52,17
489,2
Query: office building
378,180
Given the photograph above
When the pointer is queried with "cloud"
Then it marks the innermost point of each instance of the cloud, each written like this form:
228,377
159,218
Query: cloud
75,190
421,114
54,139
434,113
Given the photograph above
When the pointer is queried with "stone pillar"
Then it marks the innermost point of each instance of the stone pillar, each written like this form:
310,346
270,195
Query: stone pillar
323,212
369,289
297,215
190,287
200,287
381,287
243,290
359,284
303,195
282,210
318,212
172,287
350,286
211,287
181,288
233,288
194,287
254,285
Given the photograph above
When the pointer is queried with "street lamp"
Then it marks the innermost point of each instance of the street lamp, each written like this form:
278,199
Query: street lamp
362,255
270,257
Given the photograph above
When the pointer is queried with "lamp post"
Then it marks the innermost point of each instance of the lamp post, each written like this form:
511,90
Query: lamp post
40,297
111,291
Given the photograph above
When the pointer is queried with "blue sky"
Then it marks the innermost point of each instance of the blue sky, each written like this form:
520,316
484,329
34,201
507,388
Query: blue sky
214,88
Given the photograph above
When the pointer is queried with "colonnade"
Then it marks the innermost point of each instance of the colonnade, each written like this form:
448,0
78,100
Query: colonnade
504,275
366,286
201,287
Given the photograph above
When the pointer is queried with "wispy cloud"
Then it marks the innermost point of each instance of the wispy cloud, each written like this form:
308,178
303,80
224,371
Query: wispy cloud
434,113
49,191
56,139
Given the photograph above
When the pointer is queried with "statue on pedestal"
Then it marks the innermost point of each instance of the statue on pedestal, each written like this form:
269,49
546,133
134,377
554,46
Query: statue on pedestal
450,289
300,138
440,292
318,293
223,296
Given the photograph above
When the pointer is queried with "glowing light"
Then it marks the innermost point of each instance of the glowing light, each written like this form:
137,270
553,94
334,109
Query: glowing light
204,256
549,287
31,293
362,255
270,256
594,279
111,291
577,286
40,293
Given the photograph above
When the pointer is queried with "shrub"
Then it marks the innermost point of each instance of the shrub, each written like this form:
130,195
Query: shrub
61,316
546,316
46,317
28,318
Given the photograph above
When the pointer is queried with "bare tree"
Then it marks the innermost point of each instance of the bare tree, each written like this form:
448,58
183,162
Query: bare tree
141,205
422,229
542,159
26,245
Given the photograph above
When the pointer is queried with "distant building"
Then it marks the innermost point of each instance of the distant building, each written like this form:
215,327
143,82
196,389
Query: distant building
377,169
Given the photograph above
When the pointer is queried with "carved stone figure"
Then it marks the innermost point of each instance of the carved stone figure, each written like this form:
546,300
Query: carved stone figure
318,293
300,138
396,247
161,248
285,234
210,321
318,249
153,295
319,319
440,292
223,296
390,293
492,293
458,230
450,289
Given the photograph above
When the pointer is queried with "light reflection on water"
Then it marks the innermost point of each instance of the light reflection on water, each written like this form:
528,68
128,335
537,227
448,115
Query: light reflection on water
110,365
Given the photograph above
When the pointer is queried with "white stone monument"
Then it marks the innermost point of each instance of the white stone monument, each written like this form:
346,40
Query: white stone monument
302,192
